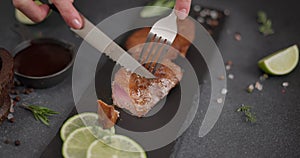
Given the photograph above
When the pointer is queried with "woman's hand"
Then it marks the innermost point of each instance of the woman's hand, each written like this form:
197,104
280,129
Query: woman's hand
182,8
38,13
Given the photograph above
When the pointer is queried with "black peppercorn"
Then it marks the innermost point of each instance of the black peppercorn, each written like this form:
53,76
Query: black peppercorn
17,143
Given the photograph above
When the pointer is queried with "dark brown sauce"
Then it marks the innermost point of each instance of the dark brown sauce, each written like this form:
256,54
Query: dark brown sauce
42,59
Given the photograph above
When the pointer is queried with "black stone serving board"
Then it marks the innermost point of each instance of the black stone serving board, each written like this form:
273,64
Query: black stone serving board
276,133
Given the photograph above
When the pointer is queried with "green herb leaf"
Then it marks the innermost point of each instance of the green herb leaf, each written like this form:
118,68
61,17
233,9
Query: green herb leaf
43,119
266,24
40,113
247,112
244,108
162,7
35,116
250,117
261,17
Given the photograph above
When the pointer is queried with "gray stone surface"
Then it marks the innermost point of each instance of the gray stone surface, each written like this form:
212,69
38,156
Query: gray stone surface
276,133
34,136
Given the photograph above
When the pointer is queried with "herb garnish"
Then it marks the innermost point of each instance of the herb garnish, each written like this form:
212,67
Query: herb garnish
247,111
40,113
266,24
161,8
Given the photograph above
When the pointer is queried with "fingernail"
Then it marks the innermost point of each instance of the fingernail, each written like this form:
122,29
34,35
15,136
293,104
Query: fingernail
77,24
182,14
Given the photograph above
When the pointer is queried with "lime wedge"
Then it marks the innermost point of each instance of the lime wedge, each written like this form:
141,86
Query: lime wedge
23,18
81,120
281,62
78,141
115,146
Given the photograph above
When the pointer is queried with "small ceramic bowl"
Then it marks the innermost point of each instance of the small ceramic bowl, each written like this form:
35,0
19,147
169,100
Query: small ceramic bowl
43,62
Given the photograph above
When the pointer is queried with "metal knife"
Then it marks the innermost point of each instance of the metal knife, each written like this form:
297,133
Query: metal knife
99,40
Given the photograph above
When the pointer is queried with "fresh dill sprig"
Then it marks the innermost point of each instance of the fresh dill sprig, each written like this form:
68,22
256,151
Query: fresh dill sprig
40,113
247,111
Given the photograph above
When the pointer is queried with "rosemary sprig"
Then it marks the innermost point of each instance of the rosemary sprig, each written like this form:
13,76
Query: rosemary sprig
40,113
247,111
266,24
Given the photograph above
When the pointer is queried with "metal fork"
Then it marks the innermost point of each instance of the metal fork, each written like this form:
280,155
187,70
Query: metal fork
160,37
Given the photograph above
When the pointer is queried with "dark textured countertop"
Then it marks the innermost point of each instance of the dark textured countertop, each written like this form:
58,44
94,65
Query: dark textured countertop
276,133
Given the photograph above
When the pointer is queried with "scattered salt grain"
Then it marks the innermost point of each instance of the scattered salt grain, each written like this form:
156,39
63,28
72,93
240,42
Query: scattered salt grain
285,84
10,116
250,88
224,91
197,8
214,14
237,36
227,67
11,109
219,100
258,86
231,76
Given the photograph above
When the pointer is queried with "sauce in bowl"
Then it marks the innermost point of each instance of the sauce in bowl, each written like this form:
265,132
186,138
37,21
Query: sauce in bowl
42,59
43,62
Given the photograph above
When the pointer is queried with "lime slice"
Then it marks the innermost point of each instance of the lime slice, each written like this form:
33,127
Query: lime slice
281,62
23,18
78,141
81,120
115,146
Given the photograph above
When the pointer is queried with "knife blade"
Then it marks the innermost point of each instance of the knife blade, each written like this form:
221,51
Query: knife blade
99,40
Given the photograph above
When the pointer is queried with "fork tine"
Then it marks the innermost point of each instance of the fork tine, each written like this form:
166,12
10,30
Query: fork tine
157,52
164,32
165,48
146,45
155,45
